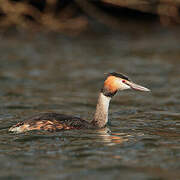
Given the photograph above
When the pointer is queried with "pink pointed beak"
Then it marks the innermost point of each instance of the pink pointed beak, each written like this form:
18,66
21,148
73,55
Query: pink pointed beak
136,86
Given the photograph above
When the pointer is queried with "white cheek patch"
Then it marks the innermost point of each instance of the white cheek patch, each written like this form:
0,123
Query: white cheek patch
121,85
124,86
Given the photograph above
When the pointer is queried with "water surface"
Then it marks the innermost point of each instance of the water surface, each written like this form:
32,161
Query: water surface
53,73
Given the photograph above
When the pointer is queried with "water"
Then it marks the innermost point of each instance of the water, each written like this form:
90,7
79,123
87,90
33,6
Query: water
53,73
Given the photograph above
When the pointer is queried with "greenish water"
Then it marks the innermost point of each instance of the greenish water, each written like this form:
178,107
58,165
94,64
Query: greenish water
53,73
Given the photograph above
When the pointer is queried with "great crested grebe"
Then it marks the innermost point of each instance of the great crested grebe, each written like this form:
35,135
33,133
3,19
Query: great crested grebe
55,122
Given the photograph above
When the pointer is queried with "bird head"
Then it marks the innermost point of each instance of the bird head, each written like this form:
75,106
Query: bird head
116,81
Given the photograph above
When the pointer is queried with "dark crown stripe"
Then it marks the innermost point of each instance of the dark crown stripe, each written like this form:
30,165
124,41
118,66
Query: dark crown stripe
118,75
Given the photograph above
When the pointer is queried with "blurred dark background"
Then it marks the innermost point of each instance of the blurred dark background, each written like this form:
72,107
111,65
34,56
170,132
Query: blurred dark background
74,16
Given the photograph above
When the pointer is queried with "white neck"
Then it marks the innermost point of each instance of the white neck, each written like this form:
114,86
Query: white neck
101,114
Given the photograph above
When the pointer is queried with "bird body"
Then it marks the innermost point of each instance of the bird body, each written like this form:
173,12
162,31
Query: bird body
51,122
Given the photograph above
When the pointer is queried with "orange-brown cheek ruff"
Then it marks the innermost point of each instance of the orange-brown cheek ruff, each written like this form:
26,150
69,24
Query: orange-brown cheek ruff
110,84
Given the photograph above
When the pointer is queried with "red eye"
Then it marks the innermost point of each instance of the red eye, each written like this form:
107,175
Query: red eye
123,81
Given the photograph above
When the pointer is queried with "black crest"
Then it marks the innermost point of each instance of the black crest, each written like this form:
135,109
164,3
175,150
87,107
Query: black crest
118,75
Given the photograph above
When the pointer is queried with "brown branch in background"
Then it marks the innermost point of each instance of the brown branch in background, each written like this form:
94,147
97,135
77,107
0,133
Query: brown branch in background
168,10
111,21
149,6
54,16
16,13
